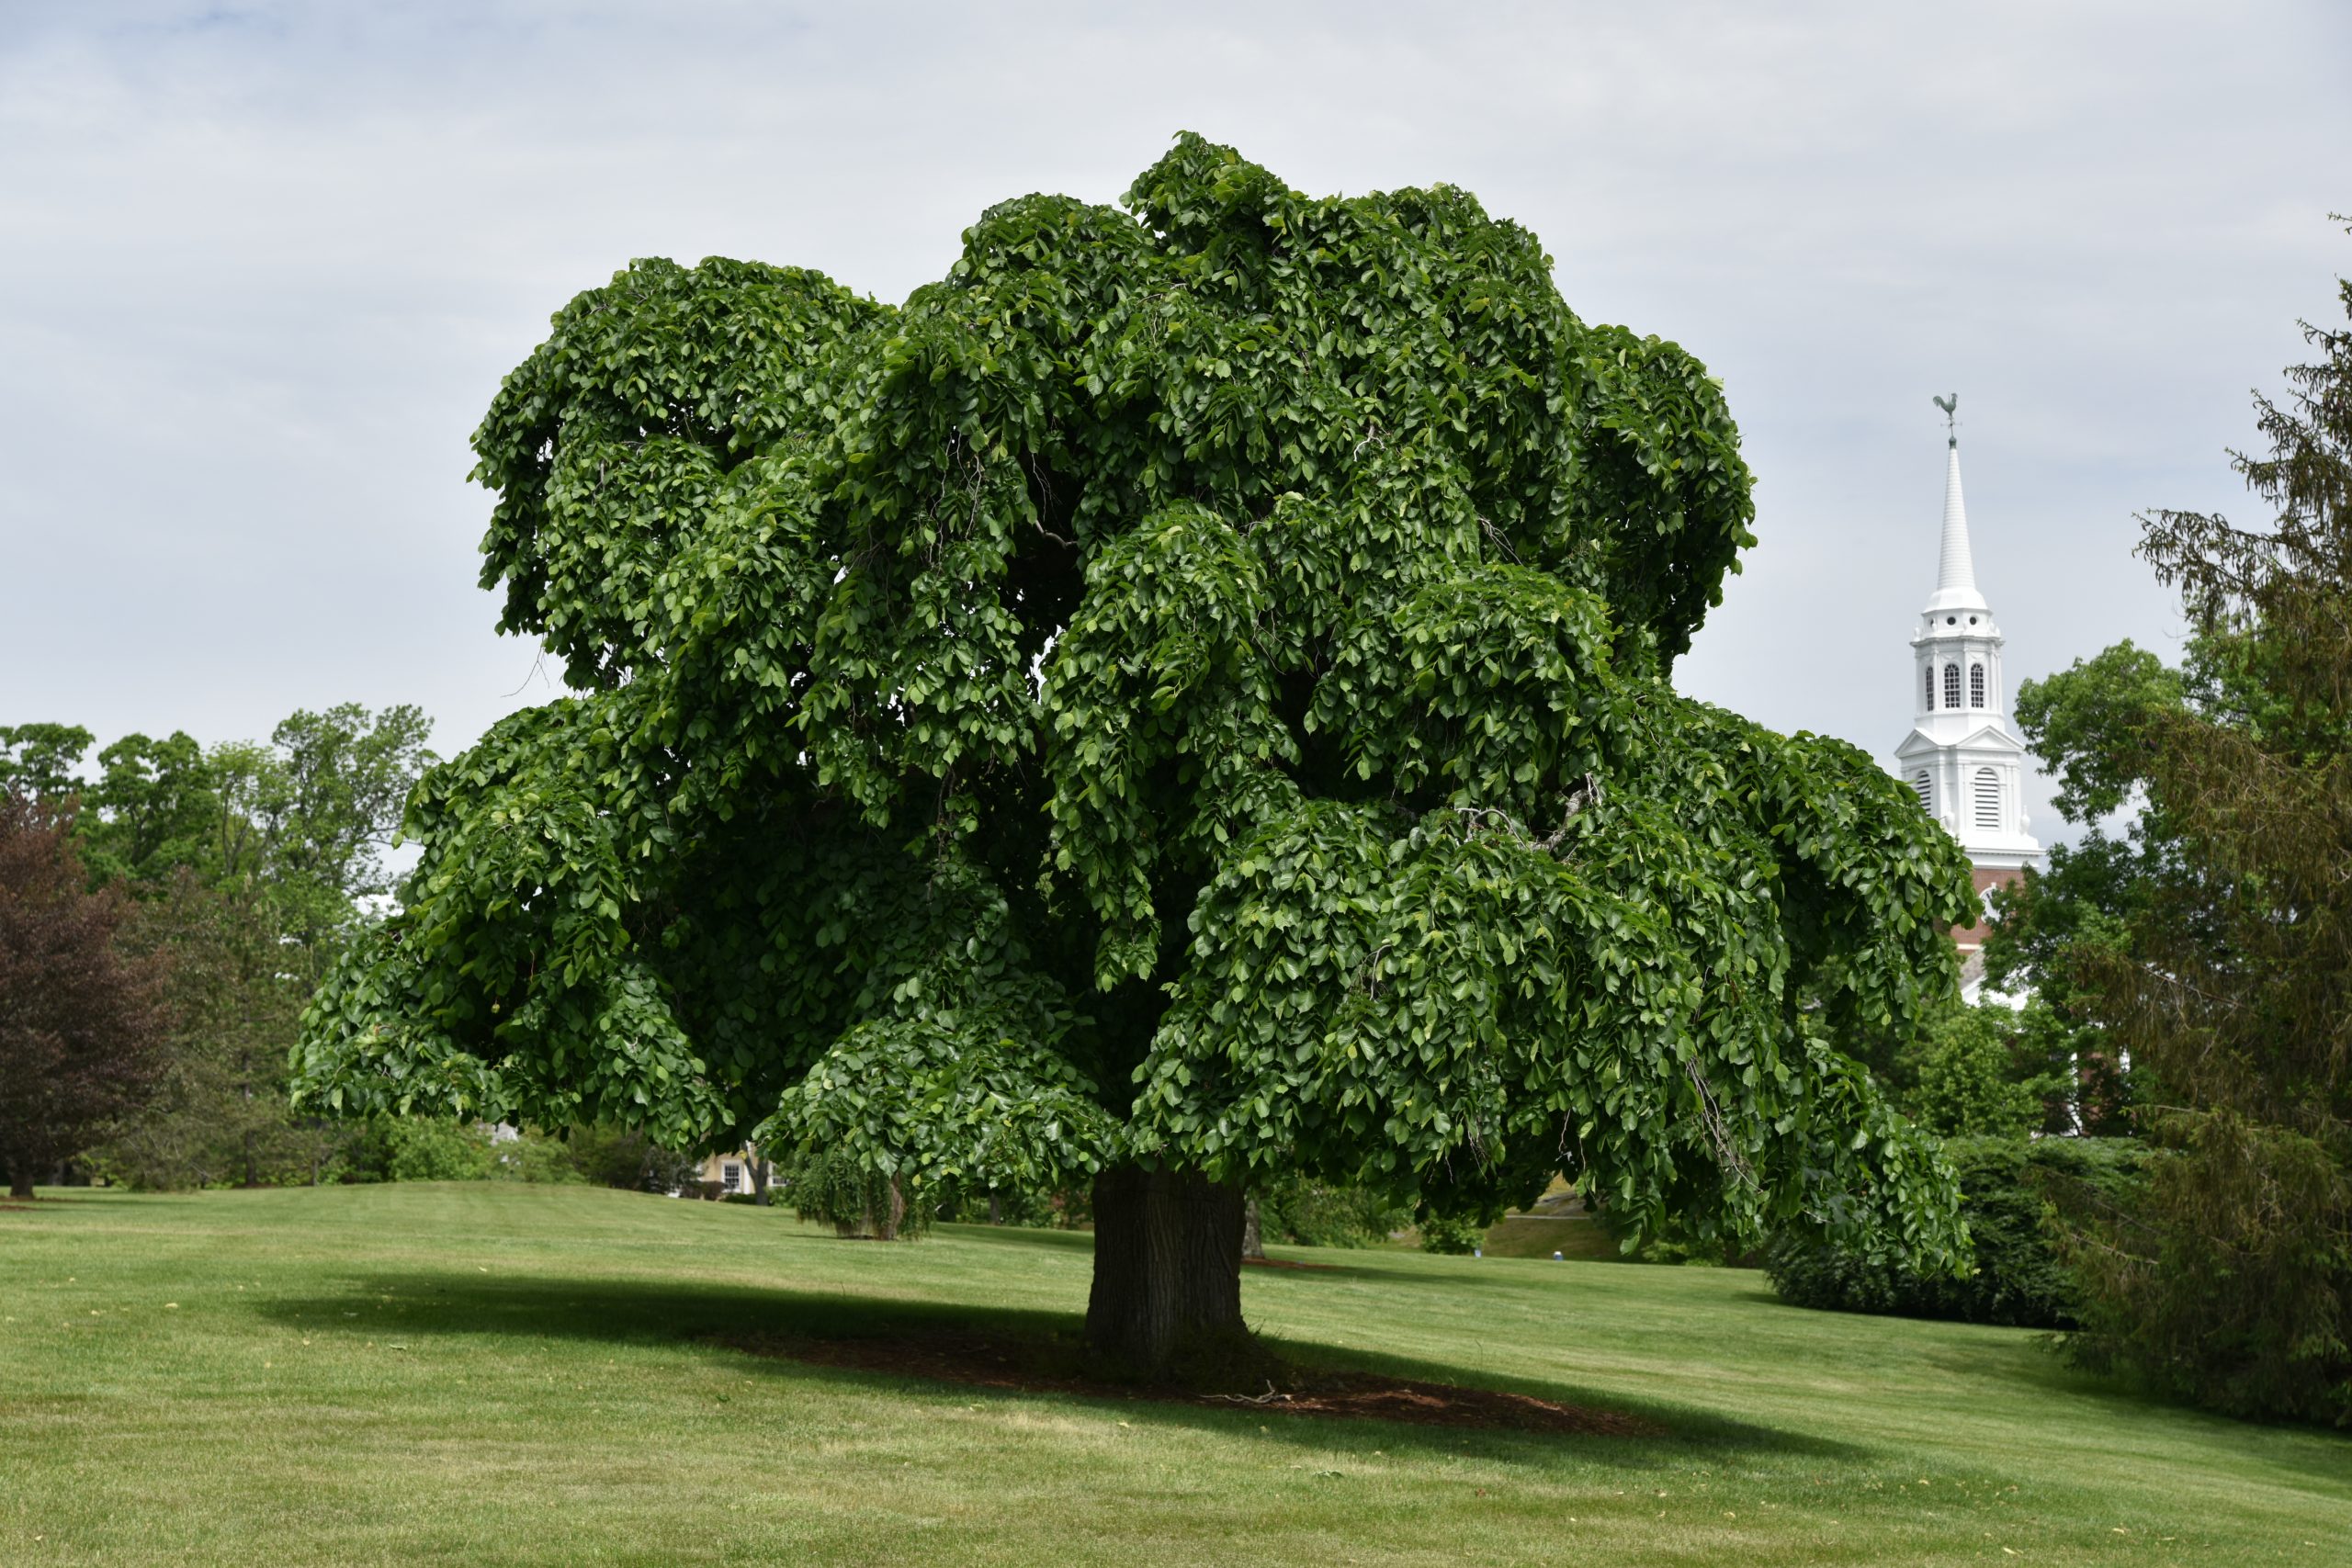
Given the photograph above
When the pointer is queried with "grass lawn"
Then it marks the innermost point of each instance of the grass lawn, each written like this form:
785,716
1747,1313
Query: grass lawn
505,1374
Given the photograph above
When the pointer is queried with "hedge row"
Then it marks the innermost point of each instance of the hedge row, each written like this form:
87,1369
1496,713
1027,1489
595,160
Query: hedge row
2008,1188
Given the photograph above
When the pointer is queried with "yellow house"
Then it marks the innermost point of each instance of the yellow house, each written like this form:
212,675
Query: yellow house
734,1172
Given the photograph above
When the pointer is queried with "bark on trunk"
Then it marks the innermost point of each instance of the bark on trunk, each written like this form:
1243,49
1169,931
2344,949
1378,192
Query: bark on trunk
20,1181
1253,1235
884,1211
1167,1295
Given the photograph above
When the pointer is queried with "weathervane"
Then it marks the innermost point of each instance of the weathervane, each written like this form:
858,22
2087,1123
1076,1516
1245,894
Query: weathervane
1950,404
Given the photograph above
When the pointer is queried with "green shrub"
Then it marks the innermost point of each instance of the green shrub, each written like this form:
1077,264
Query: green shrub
2019,1277
1450,1232
533,1157
622,1158
1967,1080
400,1148
831,1187
1677,1243
1313,1214
1038,1208
419,1150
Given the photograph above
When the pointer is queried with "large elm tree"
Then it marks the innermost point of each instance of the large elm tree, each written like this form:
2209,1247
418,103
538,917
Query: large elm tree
1185,697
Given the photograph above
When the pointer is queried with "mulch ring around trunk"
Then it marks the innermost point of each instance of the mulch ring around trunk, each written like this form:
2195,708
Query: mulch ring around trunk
1030,1366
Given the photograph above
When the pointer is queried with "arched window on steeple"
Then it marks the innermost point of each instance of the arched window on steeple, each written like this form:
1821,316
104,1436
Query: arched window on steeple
1931,688
1919,782
1976,685
1988,799
1951,685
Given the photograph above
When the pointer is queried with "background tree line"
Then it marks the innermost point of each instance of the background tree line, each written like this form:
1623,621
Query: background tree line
231,876
166,910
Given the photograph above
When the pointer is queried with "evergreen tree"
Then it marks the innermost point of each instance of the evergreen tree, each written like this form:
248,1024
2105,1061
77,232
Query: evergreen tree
2210,942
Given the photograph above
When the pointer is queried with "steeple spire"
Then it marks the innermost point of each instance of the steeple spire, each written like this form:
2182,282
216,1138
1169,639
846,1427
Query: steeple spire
1956,567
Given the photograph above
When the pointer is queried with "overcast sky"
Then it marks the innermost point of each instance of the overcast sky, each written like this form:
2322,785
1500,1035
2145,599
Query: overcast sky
262,268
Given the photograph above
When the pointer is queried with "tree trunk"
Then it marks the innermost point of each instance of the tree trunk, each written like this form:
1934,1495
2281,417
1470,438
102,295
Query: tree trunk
20,1180
759,1180
1167,1295
1253,1234
890,1211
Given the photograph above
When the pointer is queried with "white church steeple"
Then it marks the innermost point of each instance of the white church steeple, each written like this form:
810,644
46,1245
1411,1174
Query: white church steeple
1956,565
1961,757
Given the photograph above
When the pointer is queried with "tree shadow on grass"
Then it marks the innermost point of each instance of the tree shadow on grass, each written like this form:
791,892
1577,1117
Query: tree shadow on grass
1337,1263
1037,1238
802,1335
56,1199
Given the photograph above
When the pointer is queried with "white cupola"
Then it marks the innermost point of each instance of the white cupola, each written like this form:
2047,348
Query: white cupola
1961,757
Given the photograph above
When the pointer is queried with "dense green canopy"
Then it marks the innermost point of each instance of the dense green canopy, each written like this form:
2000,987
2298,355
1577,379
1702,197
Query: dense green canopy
1191,685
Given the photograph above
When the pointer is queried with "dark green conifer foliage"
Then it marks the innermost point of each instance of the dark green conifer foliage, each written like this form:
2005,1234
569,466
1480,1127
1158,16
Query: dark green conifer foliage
1190,689
2213,942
